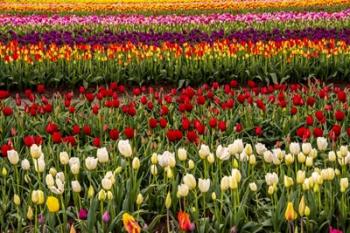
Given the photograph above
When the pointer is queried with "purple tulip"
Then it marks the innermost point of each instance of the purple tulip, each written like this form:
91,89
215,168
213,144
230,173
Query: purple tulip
41,219
83,214
106,217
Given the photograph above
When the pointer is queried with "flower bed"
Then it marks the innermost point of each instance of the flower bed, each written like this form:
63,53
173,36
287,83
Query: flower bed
209,159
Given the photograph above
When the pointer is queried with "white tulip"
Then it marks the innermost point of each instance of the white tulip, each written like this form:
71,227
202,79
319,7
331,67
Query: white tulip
182,154
344,150
322,143
204,151
64,158
344,184
300,176
294,148
74,165
76,187
13,157
167,159
271,179
91,163
25,164
154,170
190,181
331,156
136,163
124,148
268,156
35,151
110,175
39,165
253,187
106,184
204,185
309,161
306,148
102,155
182,190
225,183
260,148
236,174
211,158
222,153
49,180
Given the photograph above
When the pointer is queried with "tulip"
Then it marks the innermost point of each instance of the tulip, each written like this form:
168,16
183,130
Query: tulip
16,200
306,148
344,184
106,217
203,185
331,156
271,178
268,156
35,151
253,187
300,176
130,224
307,211
260,148
49,180
213,196
139,199
204,151
248,149
102,155
91,192
309,161
106,184
190,181
184,221
322,143
344,150
168,201
38,197
294,148
211,158
154,158
101,195
167,159
30,213
109,195
124,148
270,190
52,204
136,163
190,164
74,164
64,158
13,157
25,165
333,230
288,181
302,206
76,187
301,157
222,153
182,190
91,163
225,183
289,159
83,214
182,154
290,214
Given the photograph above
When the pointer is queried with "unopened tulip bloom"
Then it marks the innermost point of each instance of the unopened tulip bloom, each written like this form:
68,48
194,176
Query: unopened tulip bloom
139,199
49,180
102,195
288,181
106,217
322,143
124,148
35,151
332,156
203,185
13,157
168,201
38,197
294,148
184,221
253,187
154,170
190,181
182,190
16,200
136,163
260,148
52,204
182,154
271,178
300,176
190,164
76,187
301,157
74,165
290,214
289,159
225,183
344,150
30,213
154,158
211,158
102,155
222,153
91,192
301,207
91,163
25,165
248,149
344,184
204,151
306,148
106,184
64,158
309,161
167,159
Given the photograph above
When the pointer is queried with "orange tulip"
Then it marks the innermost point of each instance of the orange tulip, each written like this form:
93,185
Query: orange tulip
130,224
184,221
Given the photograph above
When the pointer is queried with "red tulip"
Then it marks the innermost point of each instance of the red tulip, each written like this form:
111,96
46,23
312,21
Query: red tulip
309,120
192,136
95,109
56,137
258,131
318,132
70,140
89,96
184,221
238,127
4,149
7,111
86,130
185,123
213,122
341,96
75,129
222,126
174,135
40,88
163,122
51,128
96,142
152,123
114,134
310,101
129,132
320,117
339,115
4,94
164,110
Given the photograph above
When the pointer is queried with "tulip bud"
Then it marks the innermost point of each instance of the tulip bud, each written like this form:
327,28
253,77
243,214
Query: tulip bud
25,164
76,187
118,170
190,164
102,155
154,158
213,196
64,158
301,208
306,148
253,187
182,154
252,160
190,181
168,201
211,158
139,199
322,143
182,190
169,173
106,183
300,177
102,195
136,163
301,157
225,183
203,185
91,192
235,163
248,149
35,151
53,171
154,170
344,184
204,151
309,161
288,181
13,157
270,190
331,156
30,213
4,172
16,200
289,159
344,150
307,211
109,195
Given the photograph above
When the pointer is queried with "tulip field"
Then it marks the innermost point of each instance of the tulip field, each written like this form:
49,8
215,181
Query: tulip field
174,116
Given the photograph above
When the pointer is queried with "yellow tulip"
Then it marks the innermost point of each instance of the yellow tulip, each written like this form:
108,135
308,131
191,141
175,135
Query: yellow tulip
290,213
301,208
52,204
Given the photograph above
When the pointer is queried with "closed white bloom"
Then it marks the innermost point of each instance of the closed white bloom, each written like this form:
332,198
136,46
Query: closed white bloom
74,165
236,174
91,163
182,190
182,154
260,148
347,158
248,149
136,163
106,183
268,156
64,158
225,183
190,181
167,159
344,150
25,164
289,159
76,187
344,184
306,148
110,175
322,143
191,164
154,170
39,165
211,158
49,180
102,155
204,151
294,148
13,157
124,148
271,178
280,154
300,176
253,187
203,185
309,161
331,156
252,159
236,147
222,153
35,151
